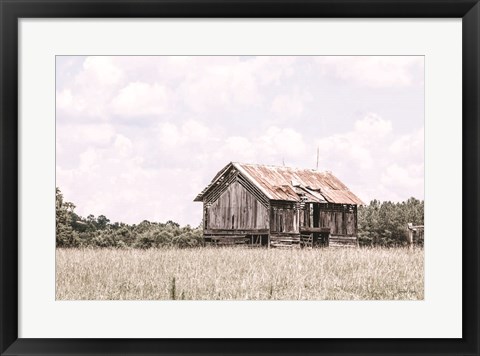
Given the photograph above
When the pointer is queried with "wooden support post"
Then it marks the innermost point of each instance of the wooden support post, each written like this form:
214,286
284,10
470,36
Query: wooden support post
411,229
410,239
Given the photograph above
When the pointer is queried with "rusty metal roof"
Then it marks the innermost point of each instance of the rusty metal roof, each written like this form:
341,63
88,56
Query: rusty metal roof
289,184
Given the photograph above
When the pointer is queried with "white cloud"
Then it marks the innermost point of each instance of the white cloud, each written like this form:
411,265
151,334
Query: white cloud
88,94
168,134
219,83
381,165
273,146
281,143
137,86
192,115
67,103
220,87
123,145
190,133
100,134
64,99
407,178
89,160
272,70
410,146
375,71
289,105
194,131
100,71
356,149
119,186
373,126
140,99
238,148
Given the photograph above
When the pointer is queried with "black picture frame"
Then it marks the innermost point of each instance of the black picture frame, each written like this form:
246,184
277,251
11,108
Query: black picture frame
13,10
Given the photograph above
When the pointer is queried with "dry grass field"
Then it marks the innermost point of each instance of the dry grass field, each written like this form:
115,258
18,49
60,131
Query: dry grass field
239,273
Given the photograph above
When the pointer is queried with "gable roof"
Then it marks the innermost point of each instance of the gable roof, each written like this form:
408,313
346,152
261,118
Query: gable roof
288,184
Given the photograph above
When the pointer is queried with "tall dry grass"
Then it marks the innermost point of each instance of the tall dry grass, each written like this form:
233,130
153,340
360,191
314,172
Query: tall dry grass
238,273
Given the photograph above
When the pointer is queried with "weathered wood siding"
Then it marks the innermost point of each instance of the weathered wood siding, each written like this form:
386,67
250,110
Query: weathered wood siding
341,220
284,218
236,209
306,220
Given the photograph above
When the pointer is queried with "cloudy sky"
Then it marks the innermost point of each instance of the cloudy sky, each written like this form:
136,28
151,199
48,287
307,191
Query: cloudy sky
139,137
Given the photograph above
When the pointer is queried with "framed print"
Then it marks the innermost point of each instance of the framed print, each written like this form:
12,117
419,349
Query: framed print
251,178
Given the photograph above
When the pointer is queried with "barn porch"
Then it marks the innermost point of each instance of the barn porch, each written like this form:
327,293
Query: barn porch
313,224
332,224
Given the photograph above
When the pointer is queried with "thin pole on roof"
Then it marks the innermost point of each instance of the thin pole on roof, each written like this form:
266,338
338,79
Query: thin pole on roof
318,154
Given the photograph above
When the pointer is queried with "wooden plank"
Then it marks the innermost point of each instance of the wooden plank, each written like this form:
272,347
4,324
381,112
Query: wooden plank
235,209
229,238
350,223
343,237
258,194
237,231
339,222
285,246
314,229
284,218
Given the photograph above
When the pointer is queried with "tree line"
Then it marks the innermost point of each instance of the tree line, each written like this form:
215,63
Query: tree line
73,230
385,223
379,224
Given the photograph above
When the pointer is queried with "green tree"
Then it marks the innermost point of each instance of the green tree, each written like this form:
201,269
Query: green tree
74,230
385,223
65,236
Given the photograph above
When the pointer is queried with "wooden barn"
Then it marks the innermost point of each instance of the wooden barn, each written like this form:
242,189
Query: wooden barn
272,206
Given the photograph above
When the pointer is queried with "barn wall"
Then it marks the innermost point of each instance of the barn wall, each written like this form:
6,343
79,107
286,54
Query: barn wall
236,209
306,218
341,220
284,218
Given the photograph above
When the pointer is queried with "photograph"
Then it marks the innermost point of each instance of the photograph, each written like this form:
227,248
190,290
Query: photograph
240,178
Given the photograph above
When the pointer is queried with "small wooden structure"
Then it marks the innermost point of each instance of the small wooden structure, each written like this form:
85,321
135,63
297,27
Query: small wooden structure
411,231
272,206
